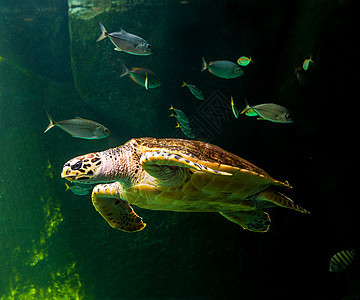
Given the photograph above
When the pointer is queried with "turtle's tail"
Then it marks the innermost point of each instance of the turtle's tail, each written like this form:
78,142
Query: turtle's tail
279,199
52,122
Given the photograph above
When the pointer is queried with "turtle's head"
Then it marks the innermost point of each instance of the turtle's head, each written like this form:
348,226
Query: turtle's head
85,168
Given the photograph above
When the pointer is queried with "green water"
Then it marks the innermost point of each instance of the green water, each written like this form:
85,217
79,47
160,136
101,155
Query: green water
54,245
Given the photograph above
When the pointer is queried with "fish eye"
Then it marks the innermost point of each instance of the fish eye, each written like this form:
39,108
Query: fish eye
77,165
148,46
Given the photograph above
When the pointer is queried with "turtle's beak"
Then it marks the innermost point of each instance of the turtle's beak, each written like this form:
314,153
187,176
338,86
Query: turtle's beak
67,173
83,168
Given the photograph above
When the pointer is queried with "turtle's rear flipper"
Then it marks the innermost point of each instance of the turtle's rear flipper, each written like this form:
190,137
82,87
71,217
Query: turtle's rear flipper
256,220
118,213
279,199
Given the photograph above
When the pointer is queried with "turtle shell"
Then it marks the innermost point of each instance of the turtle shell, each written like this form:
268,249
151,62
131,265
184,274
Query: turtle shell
208,154
198,151
223,181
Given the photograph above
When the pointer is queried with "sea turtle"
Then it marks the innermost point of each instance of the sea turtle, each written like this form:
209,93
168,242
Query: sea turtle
177,175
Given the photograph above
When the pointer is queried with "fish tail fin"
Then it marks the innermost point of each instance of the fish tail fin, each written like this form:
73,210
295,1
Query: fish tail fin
104,33
204,65
183,84
178,125
52,122
171,107
125,71
171,115
247,107
232,100
67,187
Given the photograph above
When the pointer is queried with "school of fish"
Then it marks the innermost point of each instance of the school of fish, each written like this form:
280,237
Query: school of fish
133,44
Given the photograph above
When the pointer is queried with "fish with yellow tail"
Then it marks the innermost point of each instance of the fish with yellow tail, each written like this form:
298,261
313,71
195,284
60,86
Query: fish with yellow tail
249,110
180,114
222,68
77,190
244,61
194,90
186,130
182,122
307,62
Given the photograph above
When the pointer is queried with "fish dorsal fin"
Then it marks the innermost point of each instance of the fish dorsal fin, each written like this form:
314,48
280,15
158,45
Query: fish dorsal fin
122,30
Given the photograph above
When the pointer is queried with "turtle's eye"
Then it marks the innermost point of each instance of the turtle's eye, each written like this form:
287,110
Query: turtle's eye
76,166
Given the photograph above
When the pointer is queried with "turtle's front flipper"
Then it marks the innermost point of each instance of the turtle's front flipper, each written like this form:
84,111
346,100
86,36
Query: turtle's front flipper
255,220
117,212
168,166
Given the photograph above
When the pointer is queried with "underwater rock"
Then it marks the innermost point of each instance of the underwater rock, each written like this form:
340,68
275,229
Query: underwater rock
32,212
35,35
97,67
87,9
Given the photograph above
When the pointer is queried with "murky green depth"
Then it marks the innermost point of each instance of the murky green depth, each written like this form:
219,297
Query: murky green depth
54,245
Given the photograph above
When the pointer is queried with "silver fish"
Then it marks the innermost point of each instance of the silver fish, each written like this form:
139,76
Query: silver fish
341,260
194,90
126,42
80,128
222,68
269,112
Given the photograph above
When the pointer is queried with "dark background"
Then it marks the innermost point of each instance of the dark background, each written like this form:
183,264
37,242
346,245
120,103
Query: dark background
51,59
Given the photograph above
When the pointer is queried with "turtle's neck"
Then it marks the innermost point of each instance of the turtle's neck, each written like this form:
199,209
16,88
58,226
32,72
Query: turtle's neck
117,165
